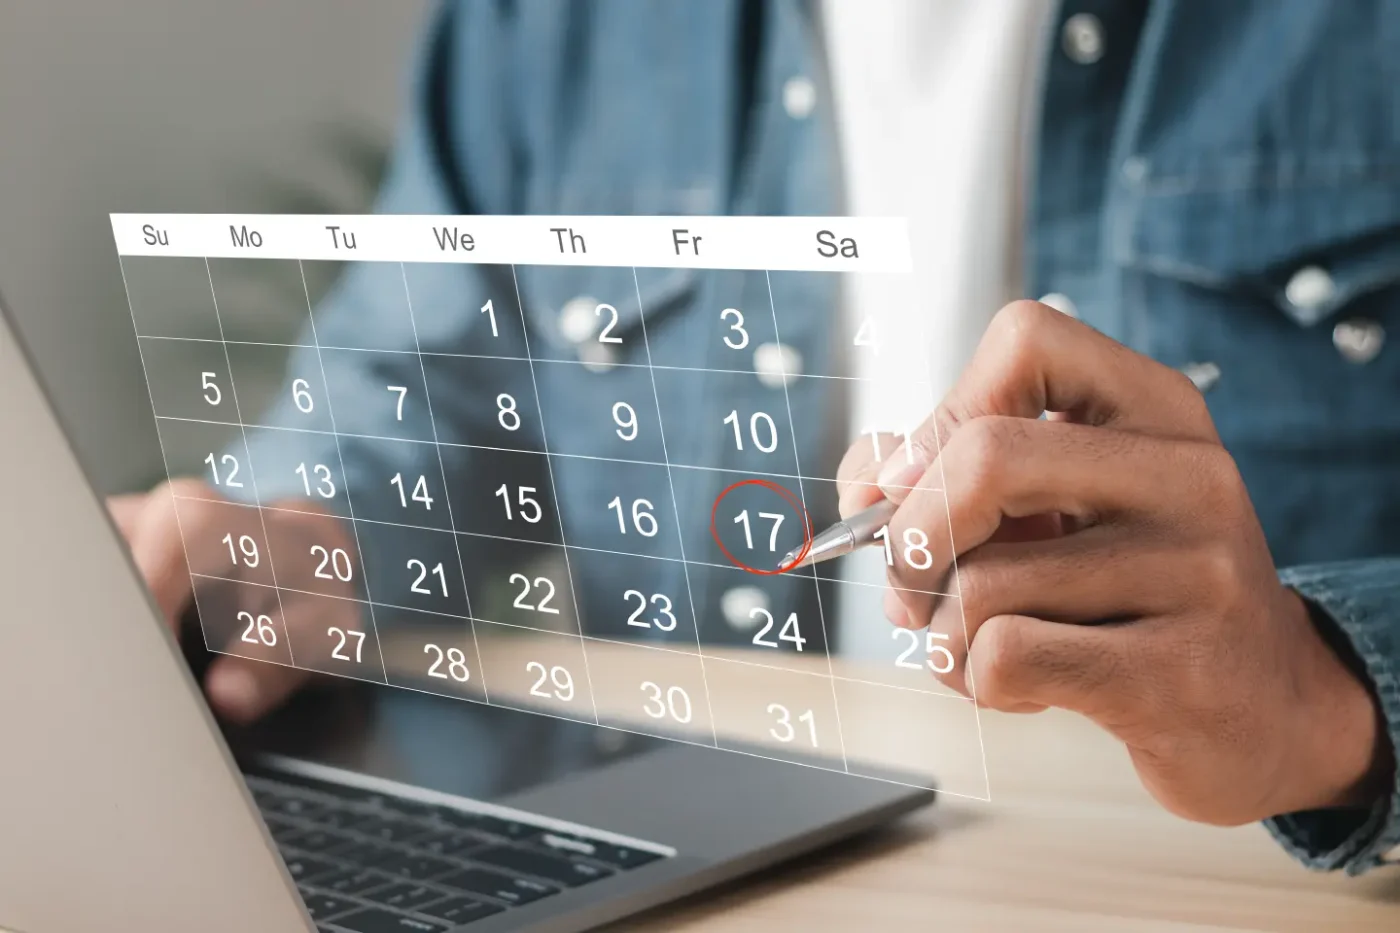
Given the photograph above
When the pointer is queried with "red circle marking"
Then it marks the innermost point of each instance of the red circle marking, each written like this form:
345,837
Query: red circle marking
791,500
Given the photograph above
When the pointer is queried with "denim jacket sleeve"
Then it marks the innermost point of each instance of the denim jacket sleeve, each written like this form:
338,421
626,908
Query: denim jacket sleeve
1363,598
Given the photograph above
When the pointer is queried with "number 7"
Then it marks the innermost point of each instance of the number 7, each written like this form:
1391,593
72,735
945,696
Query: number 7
403,393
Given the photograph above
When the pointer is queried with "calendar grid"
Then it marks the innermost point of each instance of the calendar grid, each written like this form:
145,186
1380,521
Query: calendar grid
556,448
252,473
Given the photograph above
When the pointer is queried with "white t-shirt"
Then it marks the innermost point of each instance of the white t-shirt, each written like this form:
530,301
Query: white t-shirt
933,102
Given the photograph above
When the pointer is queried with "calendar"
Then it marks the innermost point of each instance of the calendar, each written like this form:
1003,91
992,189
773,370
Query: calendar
558,464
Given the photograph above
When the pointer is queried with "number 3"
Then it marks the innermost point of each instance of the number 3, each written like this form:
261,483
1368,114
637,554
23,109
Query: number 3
737,327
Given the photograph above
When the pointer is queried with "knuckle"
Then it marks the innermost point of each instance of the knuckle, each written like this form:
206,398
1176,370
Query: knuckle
1020,327
983,448
997,660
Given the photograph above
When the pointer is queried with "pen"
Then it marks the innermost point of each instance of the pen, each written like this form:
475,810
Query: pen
860,529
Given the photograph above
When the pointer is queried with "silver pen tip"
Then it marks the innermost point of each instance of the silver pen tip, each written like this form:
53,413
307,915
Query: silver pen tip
788,558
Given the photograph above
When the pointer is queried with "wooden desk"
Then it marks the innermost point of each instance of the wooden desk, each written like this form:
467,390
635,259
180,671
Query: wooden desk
1069,842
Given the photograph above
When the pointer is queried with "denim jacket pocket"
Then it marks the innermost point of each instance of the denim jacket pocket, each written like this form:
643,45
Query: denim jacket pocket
1309,234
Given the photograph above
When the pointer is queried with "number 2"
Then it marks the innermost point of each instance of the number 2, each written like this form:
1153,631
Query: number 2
338,652
931,646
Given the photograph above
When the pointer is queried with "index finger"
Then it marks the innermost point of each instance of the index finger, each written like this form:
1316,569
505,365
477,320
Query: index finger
1034,359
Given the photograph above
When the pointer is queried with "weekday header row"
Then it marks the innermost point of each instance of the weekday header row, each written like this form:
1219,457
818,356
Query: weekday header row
845,244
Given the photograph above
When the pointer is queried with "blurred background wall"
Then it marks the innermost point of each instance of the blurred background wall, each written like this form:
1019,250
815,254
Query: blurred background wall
174,105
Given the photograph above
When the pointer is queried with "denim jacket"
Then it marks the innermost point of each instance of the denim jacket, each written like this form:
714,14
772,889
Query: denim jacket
1222,184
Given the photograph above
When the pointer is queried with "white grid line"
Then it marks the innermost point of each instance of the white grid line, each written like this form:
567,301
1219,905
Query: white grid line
554,490
350,506
675,505
802,492
252,474
520,359
446,494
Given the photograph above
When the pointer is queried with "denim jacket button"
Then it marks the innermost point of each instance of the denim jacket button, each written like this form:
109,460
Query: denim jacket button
578,319
1310,288
1082,38
743,607
799,97
1358,340
776,364
1061,303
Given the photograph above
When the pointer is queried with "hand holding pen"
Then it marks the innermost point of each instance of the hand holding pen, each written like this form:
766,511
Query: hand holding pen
1110,562
862,529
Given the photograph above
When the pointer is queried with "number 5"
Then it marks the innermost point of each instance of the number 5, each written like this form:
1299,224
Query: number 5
212,395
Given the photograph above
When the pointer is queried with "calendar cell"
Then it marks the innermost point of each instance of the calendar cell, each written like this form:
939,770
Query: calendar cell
925,739
586,316
402,484
635,599
727,326
213,453
543,671
788,715
299,398
394,404
170,297
243,619
751,523
297,470
625,507
744,419
605,415
526,586
489,402
472,309
226,539
379,285
414,568
507,494
425,651
333,636
653,691
775,621
189,380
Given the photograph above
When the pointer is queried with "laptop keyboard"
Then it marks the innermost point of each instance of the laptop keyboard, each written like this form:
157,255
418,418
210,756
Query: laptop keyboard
373,863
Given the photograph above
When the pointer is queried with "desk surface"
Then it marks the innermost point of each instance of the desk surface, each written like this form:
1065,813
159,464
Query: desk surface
1069,842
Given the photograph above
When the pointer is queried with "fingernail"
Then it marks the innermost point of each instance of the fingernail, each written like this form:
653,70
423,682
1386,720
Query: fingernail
234,691
899,471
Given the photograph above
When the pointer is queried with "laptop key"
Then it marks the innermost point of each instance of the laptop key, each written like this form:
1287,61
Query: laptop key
502,887
416,867
564,871
316,841
446,842
306,867
324,906
374,920
353,881
404,896
460,910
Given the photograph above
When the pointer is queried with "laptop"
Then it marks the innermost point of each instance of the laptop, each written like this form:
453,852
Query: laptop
124,807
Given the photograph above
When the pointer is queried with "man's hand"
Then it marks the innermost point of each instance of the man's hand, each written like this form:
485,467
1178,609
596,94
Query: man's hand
184,531
1109,562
